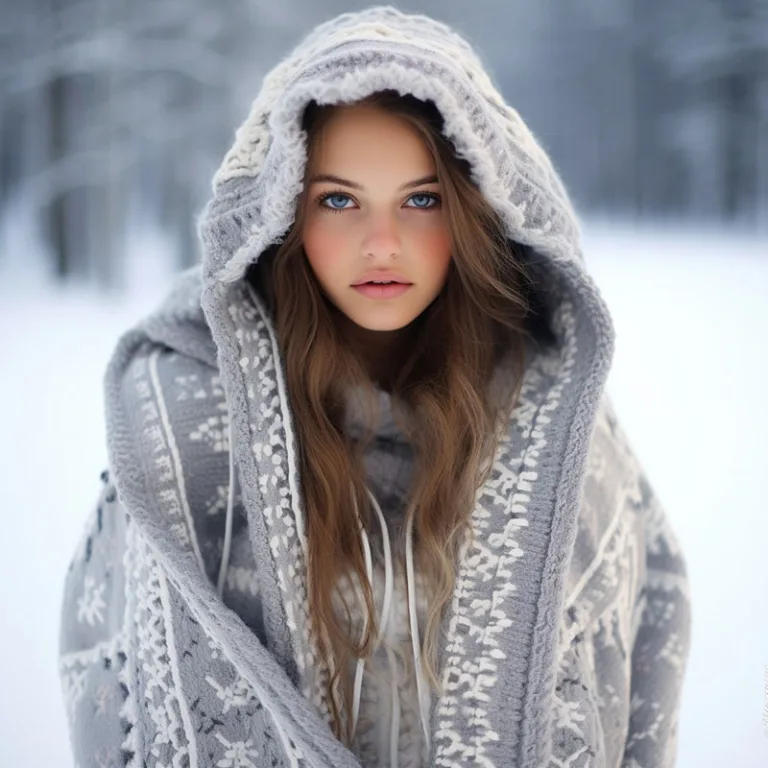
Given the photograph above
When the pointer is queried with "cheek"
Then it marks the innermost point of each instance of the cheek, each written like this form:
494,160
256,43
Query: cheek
323,244
434,245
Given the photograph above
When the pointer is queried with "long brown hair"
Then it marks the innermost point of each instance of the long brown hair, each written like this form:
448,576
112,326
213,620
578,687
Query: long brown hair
443,382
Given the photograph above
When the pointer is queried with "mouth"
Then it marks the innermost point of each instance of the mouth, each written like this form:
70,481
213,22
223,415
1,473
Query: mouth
381,282
382,290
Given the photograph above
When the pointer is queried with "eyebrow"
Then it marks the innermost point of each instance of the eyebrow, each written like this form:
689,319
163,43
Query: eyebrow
431,179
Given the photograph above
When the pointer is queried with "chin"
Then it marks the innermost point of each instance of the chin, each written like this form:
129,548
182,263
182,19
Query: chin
383,324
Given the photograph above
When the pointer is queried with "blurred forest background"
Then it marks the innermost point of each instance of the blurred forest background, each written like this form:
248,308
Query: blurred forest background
115,114
114,117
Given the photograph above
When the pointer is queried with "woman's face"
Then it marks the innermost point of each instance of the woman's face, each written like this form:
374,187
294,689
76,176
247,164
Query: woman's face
374,204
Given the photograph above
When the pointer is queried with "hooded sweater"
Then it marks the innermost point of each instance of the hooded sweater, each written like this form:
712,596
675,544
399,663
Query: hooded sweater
184,628
391,704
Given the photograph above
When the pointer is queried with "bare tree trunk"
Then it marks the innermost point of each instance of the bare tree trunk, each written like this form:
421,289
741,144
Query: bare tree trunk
740,145
57,211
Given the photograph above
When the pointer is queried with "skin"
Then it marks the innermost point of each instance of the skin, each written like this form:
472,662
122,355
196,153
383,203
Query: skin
383,211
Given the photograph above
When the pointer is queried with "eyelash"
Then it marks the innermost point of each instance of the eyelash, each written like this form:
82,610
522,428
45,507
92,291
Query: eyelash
326,195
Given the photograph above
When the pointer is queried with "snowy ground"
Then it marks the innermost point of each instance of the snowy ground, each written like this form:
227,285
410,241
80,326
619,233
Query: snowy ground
689,383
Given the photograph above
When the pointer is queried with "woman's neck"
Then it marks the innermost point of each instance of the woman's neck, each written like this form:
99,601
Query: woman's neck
381,352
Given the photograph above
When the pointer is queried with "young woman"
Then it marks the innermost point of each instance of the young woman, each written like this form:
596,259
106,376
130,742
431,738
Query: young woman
367,502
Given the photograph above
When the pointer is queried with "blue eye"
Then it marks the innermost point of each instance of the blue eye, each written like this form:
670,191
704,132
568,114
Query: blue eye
424,200
339,201
335,201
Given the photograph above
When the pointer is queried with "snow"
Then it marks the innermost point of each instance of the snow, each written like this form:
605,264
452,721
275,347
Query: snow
688,382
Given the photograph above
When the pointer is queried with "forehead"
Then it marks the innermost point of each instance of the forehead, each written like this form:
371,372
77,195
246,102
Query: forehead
368,139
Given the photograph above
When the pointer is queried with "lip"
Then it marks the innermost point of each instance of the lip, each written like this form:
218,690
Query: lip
381,274
382,291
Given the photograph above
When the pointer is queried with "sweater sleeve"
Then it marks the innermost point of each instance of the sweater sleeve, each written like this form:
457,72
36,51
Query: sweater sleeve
661,646
91,658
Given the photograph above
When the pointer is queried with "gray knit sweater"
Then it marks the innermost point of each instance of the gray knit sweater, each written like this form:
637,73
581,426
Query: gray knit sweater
184,631
390,717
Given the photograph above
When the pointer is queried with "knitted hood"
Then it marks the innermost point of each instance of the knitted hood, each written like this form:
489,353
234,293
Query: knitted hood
211,351
255,192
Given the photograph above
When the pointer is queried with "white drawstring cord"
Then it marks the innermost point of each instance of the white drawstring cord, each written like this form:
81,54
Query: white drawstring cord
361,661
394,733
230,511
383,623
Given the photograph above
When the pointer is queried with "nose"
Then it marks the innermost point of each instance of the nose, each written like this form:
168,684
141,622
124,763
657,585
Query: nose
382,236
